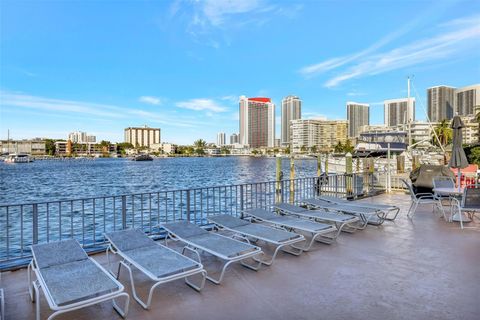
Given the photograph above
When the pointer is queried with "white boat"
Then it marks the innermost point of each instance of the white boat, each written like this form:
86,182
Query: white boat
18,158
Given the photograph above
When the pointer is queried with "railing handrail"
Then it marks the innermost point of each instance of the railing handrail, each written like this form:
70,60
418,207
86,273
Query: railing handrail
175,190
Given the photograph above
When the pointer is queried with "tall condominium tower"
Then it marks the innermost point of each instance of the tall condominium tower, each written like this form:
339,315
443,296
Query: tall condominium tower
234,138
399,111
466,99
322,134
257,122
291,110
142,136
440,102
358,115
221,139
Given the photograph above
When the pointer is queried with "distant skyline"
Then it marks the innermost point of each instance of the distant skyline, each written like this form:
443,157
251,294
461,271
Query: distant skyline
101,67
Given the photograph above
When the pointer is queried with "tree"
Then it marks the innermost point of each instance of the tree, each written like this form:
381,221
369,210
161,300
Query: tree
287,150
200,146
313,149
348,147
303,148
255,152
338,147
474,156
50,147
224,150
123,146
444,133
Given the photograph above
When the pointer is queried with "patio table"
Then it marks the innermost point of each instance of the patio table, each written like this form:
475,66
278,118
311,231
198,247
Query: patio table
453,193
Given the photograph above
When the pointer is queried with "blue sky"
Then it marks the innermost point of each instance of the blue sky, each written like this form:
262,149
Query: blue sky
101,66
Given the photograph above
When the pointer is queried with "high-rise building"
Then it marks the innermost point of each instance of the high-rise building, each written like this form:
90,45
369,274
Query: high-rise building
399,111
466,99
291,110
234,138
142,136
257,122
77,137
322,134
441,102
221,139
91,139
358,115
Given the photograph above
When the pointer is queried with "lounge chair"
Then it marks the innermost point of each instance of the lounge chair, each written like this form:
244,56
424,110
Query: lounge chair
255,231
343,222
2,302
387,209
368,215
222,247
317,231
159,263
70,280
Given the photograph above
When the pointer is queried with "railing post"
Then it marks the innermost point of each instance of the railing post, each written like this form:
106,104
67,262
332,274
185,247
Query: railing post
336,184
188,205
124,212
241,200
35,223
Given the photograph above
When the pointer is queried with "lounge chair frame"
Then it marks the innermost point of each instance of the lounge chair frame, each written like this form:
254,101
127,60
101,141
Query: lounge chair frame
319,236
128,263
254,238
349,226
34,291
194,248
2,305
386,209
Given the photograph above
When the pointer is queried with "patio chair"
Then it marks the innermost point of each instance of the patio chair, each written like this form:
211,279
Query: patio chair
157,262
70,280
442,182
343,222
317,231
385,208
227,249
469,204
252,232
417,199
368,215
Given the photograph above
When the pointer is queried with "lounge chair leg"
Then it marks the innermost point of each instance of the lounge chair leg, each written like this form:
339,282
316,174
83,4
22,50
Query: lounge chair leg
30,282
134,291
123,313
37,300
222,273
202,283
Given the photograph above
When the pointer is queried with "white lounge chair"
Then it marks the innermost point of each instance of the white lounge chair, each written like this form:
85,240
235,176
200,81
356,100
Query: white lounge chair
343,222
387,209
70,280
317,231
281,239
222,247
159,263
368,215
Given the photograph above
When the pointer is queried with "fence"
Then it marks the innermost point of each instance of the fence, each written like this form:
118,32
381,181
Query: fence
87,219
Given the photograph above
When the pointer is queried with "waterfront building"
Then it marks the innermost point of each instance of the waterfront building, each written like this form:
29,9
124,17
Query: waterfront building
165,148
470,130
77,137
34,147
399,111
142,136
358,115
257,122
91,138
291,110
421,132
234,138
440,103
466,99
67,148
322,134
221,139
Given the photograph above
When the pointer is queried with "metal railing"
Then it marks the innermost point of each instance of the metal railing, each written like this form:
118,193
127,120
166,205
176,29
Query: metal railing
86,219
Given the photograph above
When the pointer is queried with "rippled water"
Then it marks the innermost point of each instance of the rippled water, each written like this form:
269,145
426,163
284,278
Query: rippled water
59,180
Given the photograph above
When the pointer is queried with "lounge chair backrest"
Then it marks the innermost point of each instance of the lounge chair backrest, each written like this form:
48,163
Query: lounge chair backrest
262,214
125,240
185,229
443,182
228,221
289,207
471,198
57,253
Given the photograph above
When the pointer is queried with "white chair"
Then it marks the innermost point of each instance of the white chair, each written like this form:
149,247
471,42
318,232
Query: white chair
469,204
419,198
442,182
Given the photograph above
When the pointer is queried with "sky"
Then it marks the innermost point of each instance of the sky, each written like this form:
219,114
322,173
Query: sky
102,66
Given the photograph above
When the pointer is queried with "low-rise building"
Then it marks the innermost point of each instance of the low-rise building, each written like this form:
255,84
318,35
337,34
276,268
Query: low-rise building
470,130
34,147
165,148
68,148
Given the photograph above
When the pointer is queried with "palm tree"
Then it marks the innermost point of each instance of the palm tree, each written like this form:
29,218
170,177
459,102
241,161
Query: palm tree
443,132
313,149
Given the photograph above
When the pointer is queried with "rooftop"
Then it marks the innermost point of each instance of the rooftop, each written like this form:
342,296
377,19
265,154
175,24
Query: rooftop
420,269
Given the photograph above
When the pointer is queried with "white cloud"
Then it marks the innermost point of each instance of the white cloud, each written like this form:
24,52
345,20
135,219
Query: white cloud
150,100
217,11
455,37
201,105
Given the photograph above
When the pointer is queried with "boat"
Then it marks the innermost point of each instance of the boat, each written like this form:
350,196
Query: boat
142,157
18,158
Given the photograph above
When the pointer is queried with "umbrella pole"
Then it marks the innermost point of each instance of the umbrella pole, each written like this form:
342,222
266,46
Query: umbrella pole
459,173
